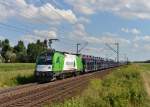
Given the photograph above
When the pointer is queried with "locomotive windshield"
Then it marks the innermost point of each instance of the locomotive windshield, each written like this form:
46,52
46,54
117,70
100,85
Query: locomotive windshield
44,59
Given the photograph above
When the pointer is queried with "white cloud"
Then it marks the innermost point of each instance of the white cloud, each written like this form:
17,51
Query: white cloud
45,34
56,14
46,12
142,38
79,33
83,6
85,9
5,12
126,30
147,47
146,38
134,31
2,37
94,49
125,8
83,20
39,34
136,45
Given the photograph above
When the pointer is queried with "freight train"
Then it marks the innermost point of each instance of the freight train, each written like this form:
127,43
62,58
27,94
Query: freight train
57,65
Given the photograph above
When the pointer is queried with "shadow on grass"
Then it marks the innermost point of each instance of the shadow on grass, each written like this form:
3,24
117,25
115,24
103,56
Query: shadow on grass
25,79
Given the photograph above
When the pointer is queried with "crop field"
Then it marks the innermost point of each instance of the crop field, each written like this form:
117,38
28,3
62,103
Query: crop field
128,86
16,74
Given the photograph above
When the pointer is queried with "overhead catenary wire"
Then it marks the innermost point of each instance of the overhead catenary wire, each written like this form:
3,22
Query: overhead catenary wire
39,20
60,16
21,30
53,10
15,27
57,4
56,13
36,19
25,30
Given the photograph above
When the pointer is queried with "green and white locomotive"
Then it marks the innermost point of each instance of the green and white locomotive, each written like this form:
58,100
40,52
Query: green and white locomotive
54,64
57,65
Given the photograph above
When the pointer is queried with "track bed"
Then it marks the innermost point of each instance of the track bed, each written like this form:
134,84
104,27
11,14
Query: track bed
39,94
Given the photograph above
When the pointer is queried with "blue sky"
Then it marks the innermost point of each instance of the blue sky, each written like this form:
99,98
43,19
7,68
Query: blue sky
95,22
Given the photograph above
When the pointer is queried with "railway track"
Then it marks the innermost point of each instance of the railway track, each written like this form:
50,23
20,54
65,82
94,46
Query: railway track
38,94
16,88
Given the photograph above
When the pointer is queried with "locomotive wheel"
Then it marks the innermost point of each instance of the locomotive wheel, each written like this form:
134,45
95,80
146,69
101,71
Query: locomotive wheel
62,76
76,73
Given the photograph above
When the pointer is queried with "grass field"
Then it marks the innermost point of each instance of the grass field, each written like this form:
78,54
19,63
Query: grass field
126,87
146,76
15,74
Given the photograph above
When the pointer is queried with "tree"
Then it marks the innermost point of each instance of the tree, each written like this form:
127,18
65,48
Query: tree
5,47
32,52
1,59
34,49
10,56
5,42
21,52
45,44
0,48
0,43
20,47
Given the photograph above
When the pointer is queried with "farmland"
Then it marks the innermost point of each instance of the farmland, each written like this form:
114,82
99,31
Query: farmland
126,87
16,74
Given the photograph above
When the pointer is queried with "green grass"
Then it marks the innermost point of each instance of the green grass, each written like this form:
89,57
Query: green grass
122,88
16,66
16,74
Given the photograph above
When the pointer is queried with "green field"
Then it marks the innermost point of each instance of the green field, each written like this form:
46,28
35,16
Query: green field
16,74
127,86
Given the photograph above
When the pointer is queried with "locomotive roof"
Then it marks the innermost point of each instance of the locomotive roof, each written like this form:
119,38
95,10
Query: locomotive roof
83,55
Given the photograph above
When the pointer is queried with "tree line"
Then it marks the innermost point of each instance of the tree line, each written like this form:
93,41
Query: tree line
20,53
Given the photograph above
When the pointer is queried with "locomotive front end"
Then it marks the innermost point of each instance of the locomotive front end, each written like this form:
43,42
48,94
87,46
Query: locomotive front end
43,70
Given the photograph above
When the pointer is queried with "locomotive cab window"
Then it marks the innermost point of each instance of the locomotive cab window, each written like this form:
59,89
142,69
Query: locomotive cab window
44,59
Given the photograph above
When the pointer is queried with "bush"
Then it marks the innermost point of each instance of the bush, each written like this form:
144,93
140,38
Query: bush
122,88
1,59
16,74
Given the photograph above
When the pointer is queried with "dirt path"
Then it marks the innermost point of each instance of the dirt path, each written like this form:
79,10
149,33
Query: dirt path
146,79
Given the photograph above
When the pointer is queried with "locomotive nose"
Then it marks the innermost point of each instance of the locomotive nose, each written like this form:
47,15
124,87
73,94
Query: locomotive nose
43,68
